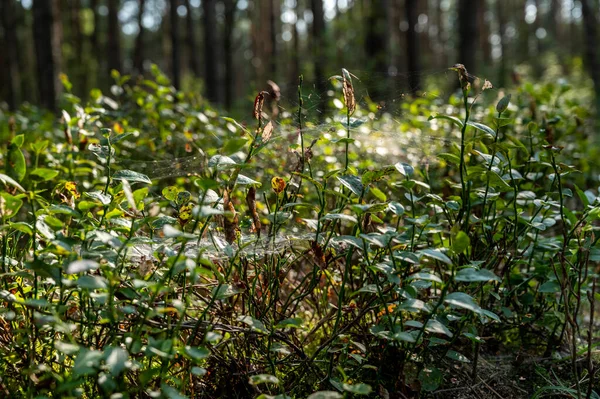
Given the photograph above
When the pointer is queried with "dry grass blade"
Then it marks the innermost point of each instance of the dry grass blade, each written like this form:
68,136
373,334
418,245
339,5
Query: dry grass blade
348,91
251,202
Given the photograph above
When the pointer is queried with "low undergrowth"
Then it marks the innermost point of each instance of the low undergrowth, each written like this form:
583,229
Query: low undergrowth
287,260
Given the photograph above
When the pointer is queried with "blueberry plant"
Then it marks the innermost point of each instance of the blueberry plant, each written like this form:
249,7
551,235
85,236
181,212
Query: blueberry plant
273,264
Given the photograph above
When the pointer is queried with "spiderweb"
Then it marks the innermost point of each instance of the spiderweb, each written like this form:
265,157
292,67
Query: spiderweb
392,116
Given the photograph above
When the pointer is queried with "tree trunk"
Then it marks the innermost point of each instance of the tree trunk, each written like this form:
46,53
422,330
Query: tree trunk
10,55
274,16
468,33
47,36
191,40
295,64
230,7
175,50
210,50
484,37
502,70
318,31
80,62
114,37
138,52
590,23
376,47
412,46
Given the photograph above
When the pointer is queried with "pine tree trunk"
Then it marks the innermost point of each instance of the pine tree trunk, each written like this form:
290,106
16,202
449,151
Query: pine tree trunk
175,48
230,7
318,30
191,40
114,37
47,36
10,55
412,46
468,33
138,52
210,50
590,23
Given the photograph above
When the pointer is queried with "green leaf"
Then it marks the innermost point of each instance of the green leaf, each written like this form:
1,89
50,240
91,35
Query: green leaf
471,275
457,356
253,323
263,379
353,183
461,242
131,176
225,291
44,174
503,104
430,378
549,287
246,181
405,169
358,389
104,199
196,353
339,216
462,300
171,393
18,140
425,276
64,210
116,360
325,395
80,266
87,362
403,336
414,305
91,282
396,208
434,326
16,162
10,205
7,180
452,119
22,227
437,255
293,322
484,128
170,192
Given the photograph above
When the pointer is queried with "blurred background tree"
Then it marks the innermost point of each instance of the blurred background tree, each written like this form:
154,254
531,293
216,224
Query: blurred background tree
228,49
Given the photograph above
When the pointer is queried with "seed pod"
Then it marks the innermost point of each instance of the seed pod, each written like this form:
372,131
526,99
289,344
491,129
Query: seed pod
463,76
258,105
348,91
274,90
251,201
267,132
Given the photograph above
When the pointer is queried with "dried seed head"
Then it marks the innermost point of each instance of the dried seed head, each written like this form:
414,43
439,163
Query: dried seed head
258,105
487,85
348,91
267,132
274,90
251,201
463,76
